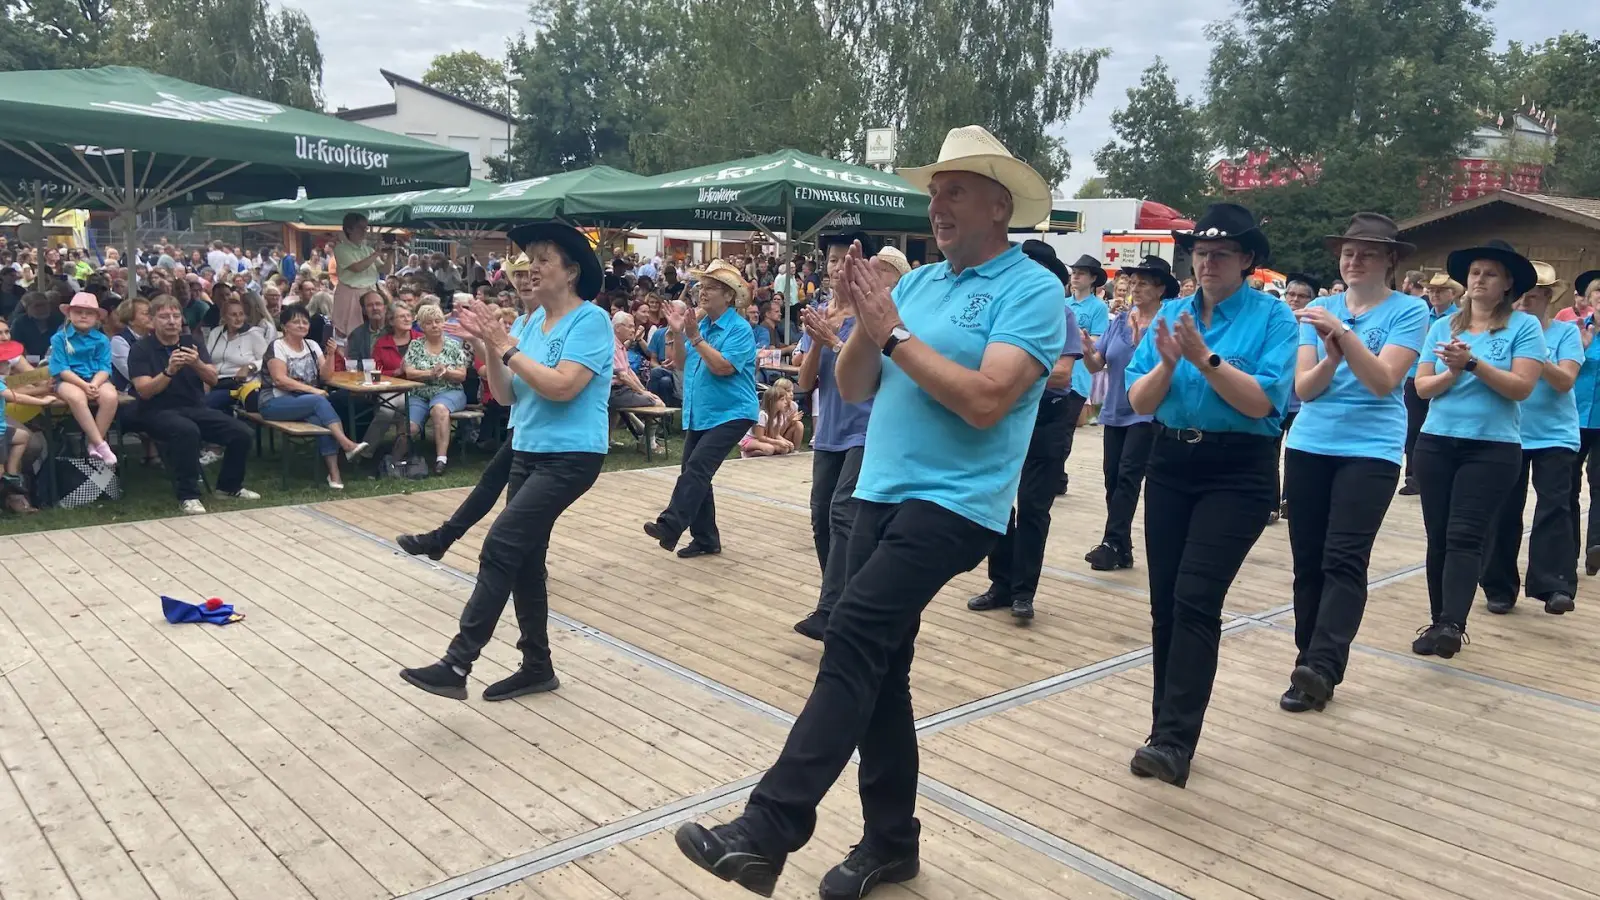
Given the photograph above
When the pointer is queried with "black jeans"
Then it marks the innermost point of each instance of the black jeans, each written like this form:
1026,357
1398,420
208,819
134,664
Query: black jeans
1074,403
511,563
833,514
900,556
1277,493
692,506
1552,553
1463,483
1205,505
1416,414
483,497
180,432
1587,461
1018,556
1339,503
1127,455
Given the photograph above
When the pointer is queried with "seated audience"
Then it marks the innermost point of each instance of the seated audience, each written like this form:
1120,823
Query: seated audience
293,374
390,350
235,349
439,364
320,308
39,322
80,367
627,391
15,440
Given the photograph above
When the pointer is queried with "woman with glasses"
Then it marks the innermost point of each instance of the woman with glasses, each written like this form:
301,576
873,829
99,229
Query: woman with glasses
1346,447
1477,368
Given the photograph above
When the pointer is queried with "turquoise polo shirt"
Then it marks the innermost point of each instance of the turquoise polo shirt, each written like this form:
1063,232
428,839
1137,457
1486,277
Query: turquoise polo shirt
1094,317
1251,330
1586,390
1347,419
916,448
1432,317
579,425
710,399
1549,416
1469,408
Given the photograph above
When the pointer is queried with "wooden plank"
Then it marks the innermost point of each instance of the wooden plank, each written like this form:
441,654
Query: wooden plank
29,868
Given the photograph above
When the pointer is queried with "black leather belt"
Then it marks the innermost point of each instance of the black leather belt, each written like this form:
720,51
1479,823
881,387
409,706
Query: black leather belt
1196,436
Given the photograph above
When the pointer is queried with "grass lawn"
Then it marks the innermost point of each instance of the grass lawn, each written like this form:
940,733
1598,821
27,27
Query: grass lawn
147,490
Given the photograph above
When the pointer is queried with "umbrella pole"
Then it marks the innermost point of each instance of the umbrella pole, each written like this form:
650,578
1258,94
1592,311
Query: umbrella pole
130,215
788,244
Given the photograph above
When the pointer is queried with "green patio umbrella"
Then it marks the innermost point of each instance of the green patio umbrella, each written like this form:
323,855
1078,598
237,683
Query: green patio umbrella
132,141
789,191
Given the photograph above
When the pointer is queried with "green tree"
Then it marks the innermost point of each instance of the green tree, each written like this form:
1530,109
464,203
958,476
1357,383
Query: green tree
1161,147
243,46
471,76
1562,77
1092,189
51,34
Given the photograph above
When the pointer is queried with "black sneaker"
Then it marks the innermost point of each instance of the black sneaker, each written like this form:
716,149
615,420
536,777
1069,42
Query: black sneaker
1105,558
1317,687
428,544
1295,700
523,681
439,678
813,626
1448,641
1591,560
1502,605
868,866
1022,608
728,852
655,530
990,599
1559,603
1427,641
696,548
1410,489
1163,762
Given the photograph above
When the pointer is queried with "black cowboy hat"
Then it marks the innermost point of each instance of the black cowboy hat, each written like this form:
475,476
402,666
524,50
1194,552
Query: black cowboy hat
1045,255
1090,264
1307,280
1155,265
1370,228
869,247
1523,276
1228,222
1582,282
573,243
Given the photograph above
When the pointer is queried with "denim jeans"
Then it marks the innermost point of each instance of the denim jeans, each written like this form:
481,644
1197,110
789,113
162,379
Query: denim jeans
304,408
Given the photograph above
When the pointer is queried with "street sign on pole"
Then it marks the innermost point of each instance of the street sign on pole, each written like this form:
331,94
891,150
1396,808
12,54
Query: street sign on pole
881,145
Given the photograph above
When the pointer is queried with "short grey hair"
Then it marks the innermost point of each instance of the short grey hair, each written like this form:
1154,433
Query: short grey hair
320,304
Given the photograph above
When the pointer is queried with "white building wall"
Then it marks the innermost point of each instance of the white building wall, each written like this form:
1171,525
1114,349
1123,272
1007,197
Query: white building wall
439,121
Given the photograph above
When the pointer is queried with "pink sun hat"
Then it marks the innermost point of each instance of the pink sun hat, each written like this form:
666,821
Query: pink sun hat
83,300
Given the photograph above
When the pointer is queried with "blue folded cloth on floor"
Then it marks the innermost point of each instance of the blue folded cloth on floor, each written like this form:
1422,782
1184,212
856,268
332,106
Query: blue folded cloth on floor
179,612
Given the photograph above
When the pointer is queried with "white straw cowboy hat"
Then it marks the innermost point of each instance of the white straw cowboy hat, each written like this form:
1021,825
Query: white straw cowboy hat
895,258
973,149
725,274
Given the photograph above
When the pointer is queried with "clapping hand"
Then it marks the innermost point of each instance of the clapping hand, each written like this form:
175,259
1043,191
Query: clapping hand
1319,318
1455,354
676,314
873,304
1167,344
1191,343
1586,331
1088,342
822,332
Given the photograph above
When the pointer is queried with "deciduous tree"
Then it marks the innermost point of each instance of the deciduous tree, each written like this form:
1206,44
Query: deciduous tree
469,75
1161,148
244,46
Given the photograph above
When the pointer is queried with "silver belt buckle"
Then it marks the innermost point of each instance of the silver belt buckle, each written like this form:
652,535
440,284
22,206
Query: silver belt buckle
1191,435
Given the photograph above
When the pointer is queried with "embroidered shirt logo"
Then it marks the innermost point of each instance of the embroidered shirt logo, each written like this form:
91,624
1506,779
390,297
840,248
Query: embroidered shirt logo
1374,339
1498,348
552,353
968,316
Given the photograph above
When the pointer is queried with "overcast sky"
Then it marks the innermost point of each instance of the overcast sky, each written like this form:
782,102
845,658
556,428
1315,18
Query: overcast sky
403,35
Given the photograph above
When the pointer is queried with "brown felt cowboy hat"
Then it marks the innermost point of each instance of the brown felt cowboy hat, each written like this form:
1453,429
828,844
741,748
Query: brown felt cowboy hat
1370,228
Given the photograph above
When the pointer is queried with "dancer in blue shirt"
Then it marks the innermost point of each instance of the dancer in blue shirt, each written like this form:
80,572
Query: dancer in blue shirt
1586,393
1442,294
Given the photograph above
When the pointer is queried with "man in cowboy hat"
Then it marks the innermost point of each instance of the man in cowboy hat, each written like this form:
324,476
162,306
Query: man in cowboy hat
956,356
1443,291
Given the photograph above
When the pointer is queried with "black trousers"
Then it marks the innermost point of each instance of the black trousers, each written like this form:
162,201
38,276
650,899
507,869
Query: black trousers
900,556
483,497
511,564
1277,493
1018,556
1552,551
1075,402
1205,505
1463,483
1127,455
1587,461
180,432
692,507
833,514
1416,414
1339,503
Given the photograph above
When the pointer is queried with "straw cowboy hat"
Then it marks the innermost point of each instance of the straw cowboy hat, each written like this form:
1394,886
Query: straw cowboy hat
1370,228
1545,277
972,148
83,300
725,274
519,264
1523,275
892,255
1440,279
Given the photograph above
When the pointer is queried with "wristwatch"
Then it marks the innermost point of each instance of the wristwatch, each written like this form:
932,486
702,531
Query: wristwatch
1472,363
505,358
1214,361
896,335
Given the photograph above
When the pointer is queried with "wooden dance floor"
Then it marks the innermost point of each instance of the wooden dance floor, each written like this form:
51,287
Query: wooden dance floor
283,758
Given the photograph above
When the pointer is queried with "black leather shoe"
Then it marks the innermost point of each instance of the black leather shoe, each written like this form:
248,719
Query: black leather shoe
1410,489
728,852
813,626
867,866
536,680
1295,700
1427,641
1317,687
439,678
1163,762
1559,603
1591,560
1022,608
1105,558
696,548
428,544
1502,605
655,530
1448,641
990,599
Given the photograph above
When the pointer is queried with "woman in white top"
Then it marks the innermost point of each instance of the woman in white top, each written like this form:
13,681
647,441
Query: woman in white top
236,350
294,373
357,266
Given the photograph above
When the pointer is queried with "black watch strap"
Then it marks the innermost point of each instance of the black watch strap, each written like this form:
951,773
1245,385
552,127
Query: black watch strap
505,358
1472,363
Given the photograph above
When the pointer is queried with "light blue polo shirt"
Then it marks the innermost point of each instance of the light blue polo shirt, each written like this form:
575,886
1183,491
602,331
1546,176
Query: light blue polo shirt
1586,390
1549,416
1116,348
710,399
1433,317
839,425
1471,409
1347,419
579,425
1094,317
919,450
1252,331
